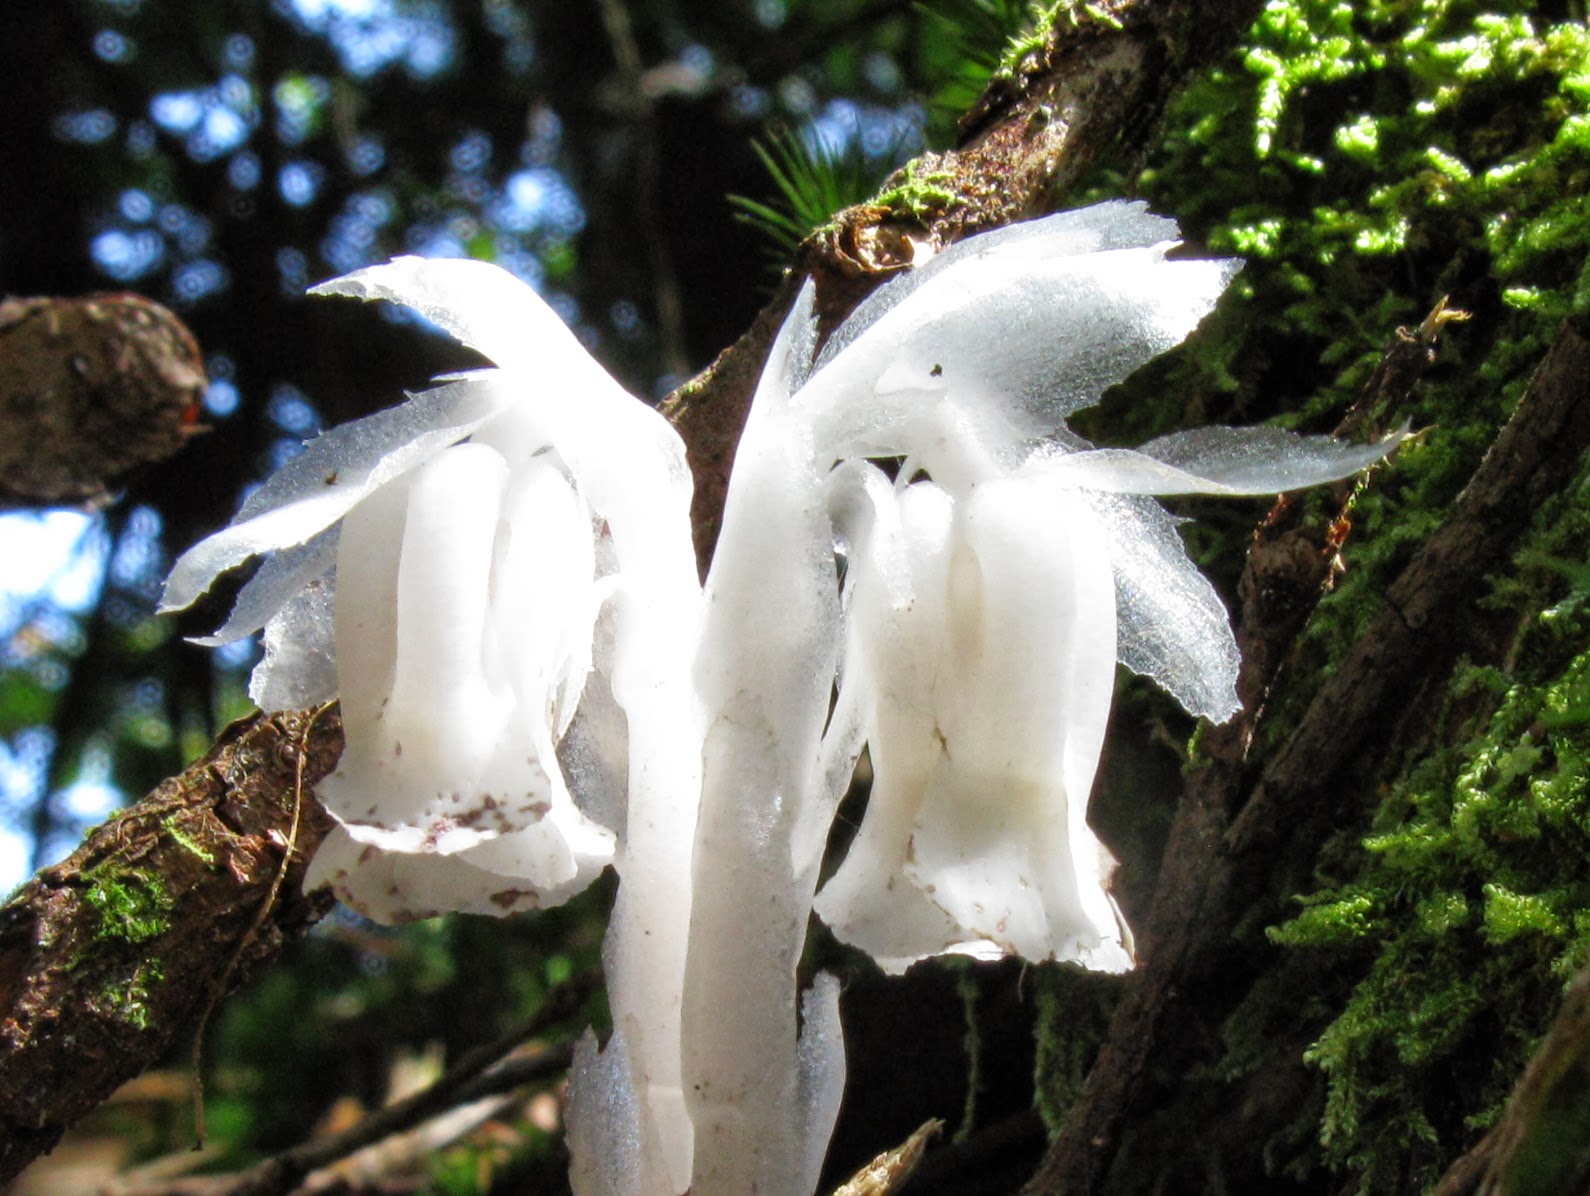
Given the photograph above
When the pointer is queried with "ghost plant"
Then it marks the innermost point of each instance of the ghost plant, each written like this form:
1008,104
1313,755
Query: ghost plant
496,578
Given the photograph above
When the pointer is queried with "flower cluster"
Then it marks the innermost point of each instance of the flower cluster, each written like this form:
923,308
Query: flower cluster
496,577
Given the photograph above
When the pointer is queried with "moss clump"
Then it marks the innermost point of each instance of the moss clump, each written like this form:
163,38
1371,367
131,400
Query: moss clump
132,906
916,193
1472,908
1366,160
187,842
1073,1008
1041,20
128,998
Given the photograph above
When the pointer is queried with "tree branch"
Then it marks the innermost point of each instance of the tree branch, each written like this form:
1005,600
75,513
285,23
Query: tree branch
90,389
110,957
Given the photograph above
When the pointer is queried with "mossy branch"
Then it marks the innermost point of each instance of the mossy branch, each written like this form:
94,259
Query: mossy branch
111,957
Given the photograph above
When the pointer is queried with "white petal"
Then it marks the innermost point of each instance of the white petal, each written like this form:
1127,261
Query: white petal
1032,330
544,597
899,620
397,887
335,472
1173,626
1001,842
994,667
300,666
1116,224
413,772
482,306
1229,461
280,577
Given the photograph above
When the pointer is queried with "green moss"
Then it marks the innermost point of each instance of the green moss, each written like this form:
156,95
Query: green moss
1471,903
1366,160
187,841
1073,1008
128,998
132,906
917,193
1042,20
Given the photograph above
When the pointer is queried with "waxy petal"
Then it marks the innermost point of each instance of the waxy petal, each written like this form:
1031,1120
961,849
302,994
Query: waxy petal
1033,328
280,577
1173,627
398,887
1226,461
300,666
335,472
482,306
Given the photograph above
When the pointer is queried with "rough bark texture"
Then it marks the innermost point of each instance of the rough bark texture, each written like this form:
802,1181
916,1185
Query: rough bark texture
82,1010
90,389
112,956
1228,823
1542,1143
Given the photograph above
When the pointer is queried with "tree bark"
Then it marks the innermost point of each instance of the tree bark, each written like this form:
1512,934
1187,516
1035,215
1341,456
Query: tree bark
1540,1144
91,389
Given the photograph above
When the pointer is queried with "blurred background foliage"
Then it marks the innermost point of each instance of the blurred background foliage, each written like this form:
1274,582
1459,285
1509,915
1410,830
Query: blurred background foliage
1365,158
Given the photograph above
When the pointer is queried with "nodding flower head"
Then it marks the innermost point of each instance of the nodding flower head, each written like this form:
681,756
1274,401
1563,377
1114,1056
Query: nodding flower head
993,584
457,570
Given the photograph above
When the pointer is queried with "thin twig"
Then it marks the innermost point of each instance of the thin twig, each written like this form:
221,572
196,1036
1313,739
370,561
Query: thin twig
478,1073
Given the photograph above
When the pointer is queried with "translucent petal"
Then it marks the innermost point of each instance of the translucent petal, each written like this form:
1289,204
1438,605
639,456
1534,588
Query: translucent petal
414,775
1001,842
1229,461
334,473
280,577
397,887
898,615
1036,326
482,306
1118,224
989,628
299,671
1173,626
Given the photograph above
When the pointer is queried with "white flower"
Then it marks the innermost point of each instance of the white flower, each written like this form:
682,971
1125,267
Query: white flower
497,578
992,589
455,607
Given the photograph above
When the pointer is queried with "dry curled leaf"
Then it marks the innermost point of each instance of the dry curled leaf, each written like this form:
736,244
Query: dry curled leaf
889,1171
